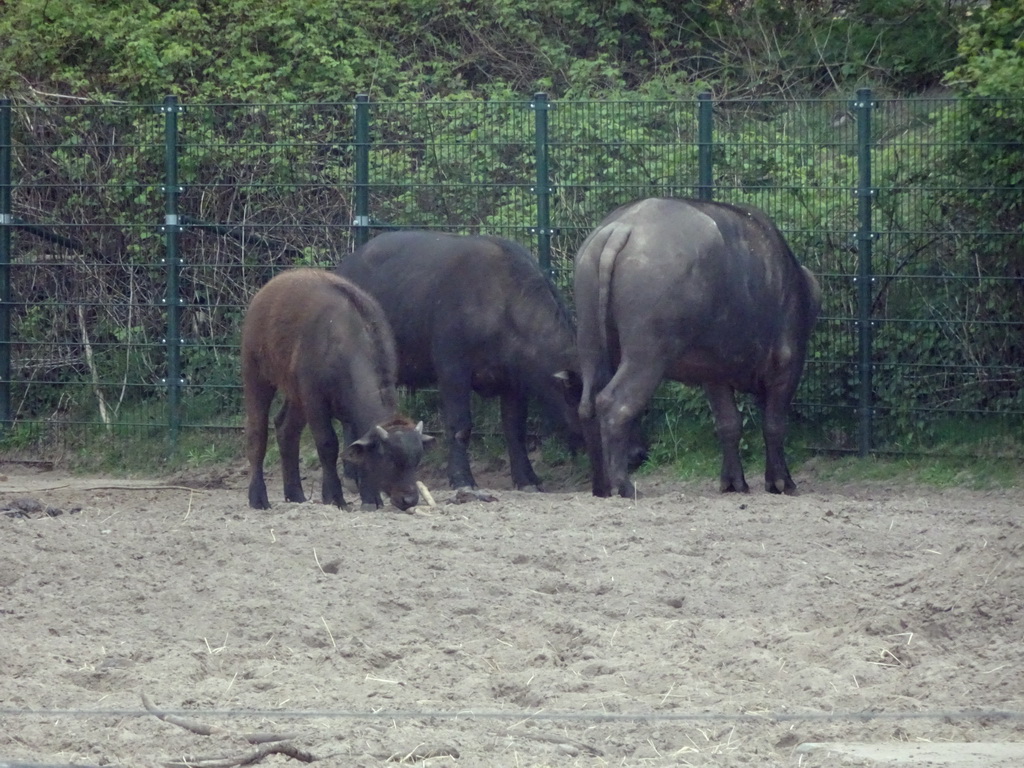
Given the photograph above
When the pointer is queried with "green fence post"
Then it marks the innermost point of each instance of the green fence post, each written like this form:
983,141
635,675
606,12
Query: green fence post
6,222
361,220
705,139
540,107
865,237
172,227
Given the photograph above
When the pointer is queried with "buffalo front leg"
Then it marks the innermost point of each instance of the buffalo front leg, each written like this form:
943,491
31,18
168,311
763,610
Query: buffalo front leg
366,480
326,439
258,397
349,469
369,492
288,426
728,428
456,394
513,423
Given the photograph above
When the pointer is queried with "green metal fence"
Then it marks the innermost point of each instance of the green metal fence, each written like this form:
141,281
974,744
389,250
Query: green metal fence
132,237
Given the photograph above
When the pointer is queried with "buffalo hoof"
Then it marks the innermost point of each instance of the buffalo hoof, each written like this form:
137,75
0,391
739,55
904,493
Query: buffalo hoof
258,495
335,501
370,502
628,491
530,488
732,486
259,503
781,486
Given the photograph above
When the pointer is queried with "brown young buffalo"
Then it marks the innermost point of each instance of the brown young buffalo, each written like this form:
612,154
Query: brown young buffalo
699,292
327,346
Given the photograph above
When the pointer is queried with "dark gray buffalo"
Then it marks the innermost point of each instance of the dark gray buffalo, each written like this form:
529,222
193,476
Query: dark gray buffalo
473,313
702,293
326,345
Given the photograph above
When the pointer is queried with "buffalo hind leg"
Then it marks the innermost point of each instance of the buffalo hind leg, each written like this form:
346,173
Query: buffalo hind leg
258,397
617,406
728,428
775,414
600,484
288,426
513,423
594,377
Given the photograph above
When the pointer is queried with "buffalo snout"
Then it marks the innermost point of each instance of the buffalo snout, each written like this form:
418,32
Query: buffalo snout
405,500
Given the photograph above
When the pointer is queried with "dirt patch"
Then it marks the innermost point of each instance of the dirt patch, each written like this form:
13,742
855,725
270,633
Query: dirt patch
685,627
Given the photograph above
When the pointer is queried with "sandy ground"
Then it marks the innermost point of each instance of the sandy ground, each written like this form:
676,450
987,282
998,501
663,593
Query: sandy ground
556,629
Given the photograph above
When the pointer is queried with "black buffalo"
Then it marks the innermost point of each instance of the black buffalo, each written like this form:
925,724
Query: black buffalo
702,293
326,345
473,313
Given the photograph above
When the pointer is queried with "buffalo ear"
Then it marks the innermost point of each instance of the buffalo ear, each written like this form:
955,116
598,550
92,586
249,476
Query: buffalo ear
356,452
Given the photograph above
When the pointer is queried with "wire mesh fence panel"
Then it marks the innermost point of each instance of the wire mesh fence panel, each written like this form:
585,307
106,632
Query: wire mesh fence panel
85,275
135,248
948,331
463,167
